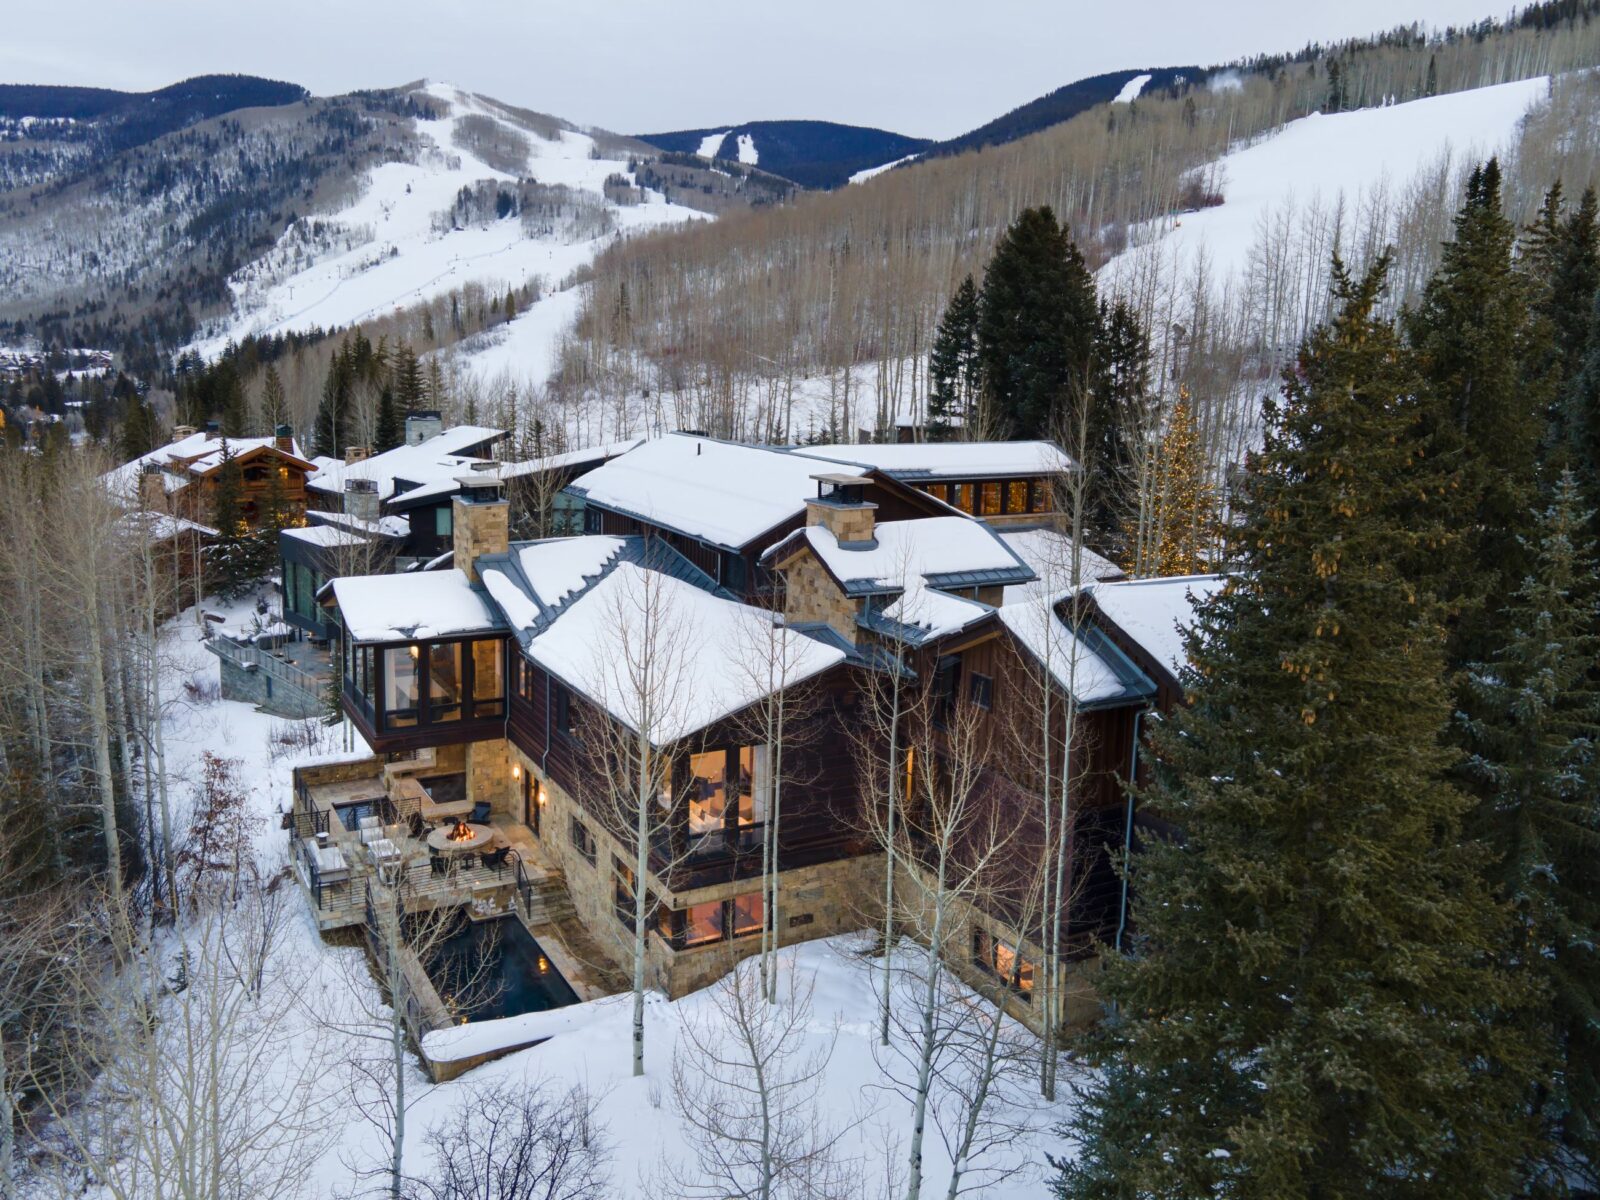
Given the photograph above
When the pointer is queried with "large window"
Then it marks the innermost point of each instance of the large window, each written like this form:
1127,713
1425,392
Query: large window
488,691
1001,960
990,500
428,683
402,691
444,681
441,521
727,790
1017,496
712,922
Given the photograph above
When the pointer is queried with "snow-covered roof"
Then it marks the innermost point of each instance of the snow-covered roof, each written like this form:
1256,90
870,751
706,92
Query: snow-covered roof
201,451
1049,554
398,608
325,536
160,526
393,527
721,492
912,560
1155,612
560,566
1090,668
947,460
707,650
943,551
571,458
431,463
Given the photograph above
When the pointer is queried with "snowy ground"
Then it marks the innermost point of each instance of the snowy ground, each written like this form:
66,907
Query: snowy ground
1323,161
638,1114
382,252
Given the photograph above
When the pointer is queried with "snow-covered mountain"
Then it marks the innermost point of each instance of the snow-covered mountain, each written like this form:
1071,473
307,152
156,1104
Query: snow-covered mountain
486,194
814,154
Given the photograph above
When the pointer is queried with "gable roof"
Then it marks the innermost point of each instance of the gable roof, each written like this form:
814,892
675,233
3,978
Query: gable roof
1155,613
947,460
725,493
438,460
706,648
1083,662
195,454
1049,554
914,562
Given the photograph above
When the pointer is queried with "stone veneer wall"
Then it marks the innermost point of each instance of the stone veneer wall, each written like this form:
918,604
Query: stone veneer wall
478,527
1081,1006
488,769
849,522
828,899
812,595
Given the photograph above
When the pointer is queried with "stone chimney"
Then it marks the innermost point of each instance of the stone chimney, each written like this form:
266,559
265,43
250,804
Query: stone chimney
179,432
420,426
480,518
152,487
355,454
283,438
841,506
361,499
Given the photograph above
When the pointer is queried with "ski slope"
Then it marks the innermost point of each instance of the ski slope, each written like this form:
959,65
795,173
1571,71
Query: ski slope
384,251
1318,161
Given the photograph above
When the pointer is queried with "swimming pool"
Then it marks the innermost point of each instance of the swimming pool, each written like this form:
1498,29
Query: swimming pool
498,969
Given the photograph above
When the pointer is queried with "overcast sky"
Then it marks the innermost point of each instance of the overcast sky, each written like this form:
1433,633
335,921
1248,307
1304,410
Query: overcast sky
932,68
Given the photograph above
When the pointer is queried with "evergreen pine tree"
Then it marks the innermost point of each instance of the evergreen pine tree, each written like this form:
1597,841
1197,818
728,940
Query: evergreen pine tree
1303,1018
1533,738
140,434
228,396
391,429
1037,318
229,555
1121,410
409,388
953,364
1485,422
338,391
1574,281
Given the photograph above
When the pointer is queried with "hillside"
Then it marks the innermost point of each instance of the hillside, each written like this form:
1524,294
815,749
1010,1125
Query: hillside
1067,102
814,154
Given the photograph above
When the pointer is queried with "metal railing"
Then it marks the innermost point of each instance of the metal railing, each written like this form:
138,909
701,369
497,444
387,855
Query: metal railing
246,657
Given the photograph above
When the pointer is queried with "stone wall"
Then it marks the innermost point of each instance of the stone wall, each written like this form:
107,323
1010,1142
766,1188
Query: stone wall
488,769
817,901
255,685
1081,1006
479,527
812,595
848,522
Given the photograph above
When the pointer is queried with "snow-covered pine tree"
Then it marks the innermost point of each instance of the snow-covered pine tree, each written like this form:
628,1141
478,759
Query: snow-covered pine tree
1302,1015
1534,738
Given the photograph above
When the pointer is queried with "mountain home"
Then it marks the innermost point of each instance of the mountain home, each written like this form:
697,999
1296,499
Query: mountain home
180,478
955,601
511,683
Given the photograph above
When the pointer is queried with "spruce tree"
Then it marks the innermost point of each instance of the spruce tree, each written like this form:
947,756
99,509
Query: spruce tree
1186,502
1534,738
1485,423
953,364
228,557
1121,403
391,429
409,387
338,392
1302,1017
1037,319
1575,279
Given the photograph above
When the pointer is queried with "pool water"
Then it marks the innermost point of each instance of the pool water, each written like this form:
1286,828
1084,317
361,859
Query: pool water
502,969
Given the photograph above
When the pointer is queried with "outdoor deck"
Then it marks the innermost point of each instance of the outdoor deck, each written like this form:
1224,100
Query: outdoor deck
526,885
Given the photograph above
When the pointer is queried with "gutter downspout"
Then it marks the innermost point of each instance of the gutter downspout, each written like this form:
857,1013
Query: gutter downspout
1127,831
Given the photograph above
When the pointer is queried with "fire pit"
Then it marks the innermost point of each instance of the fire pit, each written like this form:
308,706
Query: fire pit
461,837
